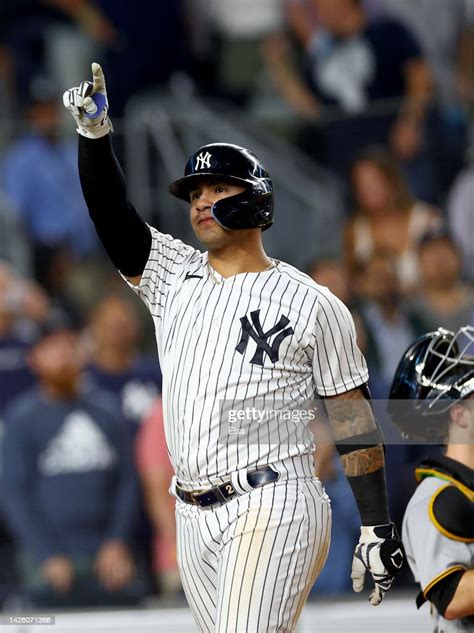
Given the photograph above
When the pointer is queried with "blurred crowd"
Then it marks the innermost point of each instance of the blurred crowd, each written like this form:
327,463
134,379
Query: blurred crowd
378,92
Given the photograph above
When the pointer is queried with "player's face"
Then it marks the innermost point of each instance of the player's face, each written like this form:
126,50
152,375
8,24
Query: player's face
202,198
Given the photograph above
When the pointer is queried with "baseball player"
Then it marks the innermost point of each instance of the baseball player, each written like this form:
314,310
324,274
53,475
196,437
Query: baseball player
245,342
432,400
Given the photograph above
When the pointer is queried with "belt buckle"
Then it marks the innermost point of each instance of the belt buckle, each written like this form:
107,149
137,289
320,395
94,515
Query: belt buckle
188,496
218,495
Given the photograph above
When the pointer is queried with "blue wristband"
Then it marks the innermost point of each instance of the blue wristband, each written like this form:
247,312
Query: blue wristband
100,101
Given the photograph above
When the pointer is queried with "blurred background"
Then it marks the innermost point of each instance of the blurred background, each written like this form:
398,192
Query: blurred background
363,113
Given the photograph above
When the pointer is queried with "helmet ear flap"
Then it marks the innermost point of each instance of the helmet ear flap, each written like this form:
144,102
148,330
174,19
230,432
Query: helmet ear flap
231,163
245,210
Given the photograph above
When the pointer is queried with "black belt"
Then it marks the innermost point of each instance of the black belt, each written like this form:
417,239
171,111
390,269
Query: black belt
224,492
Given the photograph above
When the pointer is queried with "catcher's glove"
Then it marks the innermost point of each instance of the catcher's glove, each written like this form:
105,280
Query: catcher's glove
380,552
89,106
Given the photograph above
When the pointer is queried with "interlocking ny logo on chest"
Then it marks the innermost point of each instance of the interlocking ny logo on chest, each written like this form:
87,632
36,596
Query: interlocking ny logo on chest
255,332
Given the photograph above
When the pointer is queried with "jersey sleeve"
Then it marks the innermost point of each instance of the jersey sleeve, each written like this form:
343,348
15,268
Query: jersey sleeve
166,259
431,555
338,363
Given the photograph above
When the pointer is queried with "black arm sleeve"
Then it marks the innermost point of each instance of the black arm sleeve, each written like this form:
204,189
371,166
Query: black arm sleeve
124,234
370,492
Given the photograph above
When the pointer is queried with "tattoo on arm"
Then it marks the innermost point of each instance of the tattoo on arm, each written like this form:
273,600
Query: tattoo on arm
363,462
350,415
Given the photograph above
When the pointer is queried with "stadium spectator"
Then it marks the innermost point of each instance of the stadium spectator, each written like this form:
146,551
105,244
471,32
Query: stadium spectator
25,310
69,484
14,245
461,218
152,44
367,81
15,341
134,380
443,299
15,377
233,34
390,322
53,36
39,174
333,274
116,366
156,472
446,33
385,217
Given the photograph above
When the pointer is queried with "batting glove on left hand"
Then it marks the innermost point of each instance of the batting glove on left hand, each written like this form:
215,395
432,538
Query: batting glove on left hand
380,552
89,106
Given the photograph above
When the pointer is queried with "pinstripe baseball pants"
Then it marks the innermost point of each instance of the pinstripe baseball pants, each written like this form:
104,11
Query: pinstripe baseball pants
248,565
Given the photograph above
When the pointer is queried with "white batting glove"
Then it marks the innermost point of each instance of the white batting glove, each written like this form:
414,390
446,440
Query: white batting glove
89,106
380,552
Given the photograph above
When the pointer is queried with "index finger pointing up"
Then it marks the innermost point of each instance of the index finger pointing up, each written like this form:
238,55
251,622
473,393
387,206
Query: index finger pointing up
98,78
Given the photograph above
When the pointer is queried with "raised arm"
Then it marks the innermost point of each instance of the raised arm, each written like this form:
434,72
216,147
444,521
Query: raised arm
124,234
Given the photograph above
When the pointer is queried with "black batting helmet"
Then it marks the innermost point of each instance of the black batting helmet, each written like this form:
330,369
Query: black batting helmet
435,372
250,209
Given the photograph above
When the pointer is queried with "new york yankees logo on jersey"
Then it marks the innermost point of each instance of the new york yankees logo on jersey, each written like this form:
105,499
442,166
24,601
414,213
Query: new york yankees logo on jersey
261,338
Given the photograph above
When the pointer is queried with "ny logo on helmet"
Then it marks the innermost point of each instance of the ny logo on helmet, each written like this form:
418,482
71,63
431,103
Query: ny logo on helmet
261,338
203,161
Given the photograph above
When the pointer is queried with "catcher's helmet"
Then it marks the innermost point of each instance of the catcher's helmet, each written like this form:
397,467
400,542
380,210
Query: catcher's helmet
250,209
435,372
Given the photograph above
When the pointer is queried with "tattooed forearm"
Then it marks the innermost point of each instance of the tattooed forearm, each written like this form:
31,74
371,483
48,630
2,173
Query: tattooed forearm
349,415
363,461
358,442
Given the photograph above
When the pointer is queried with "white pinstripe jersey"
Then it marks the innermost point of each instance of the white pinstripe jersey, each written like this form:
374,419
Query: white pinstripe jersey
207,332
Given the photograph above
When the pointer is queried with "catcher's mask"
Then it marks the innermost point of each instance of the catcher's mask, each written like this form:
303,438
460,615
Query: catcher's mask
250,209
435,372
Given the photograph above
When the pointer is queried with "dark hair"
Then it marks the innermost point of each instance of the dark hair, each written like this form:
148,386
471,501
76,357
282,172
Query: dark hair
441,234
383,160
